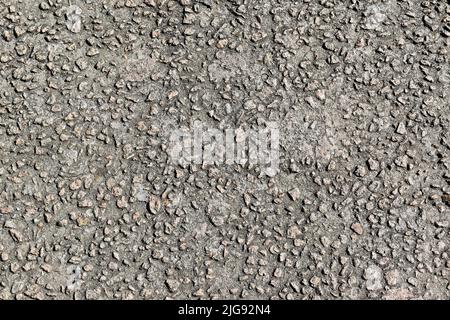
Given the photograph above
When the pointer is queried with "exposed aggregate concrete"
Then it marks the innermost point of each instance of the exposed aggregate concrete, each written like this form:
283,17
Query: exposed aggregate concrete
91,208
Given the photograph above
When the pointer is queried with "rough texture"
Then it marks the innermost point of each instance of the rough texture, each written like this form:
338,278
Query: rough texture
91,208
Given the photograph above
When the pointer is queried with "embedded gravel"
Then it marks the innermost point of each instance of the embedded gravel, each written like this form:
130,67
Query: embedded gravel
91,207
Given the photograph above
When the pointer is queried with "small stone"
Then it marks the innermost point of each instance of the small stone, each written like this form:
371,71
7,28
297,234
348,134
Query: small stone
154,204
392,277
398,294
155,33
278,273
320,94
62,223
373,165
172,94
4,58
10,224
360,171
47,268
6,210
173,285
21,49
315,281
76,184
357,228
199,293
16,235
44,6
4,256
122,203
92,52
19,31
412,281
82,221
217,220
81,64
222,43
401,128
88,268
7,35
130,4
402,161
294,194
293,232
446,198
325,241
374,276
73,19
